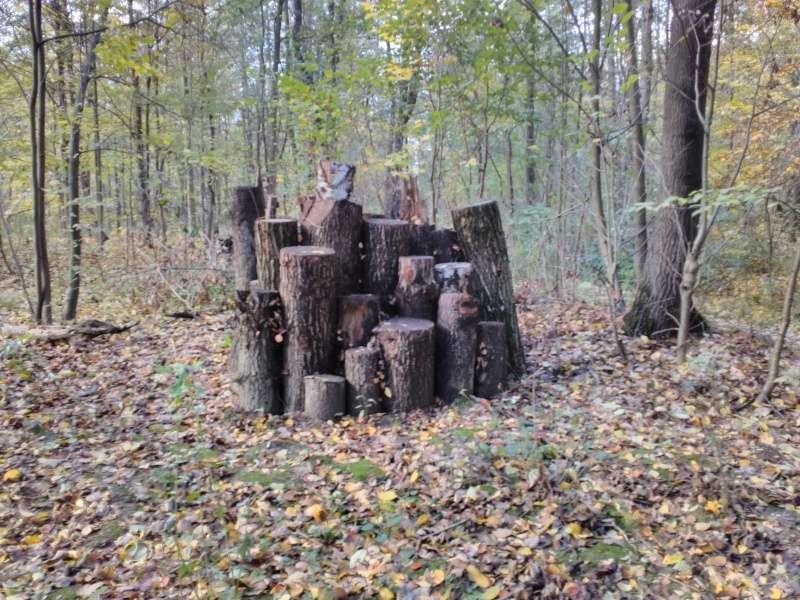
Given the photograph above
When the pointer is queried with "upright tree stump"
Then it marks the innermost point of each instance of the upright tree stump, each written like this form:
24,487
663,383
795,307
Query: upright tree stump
445,246
247,205
255,359
456,345
324,396
334,180
271,236
480,229
385,241
358,316
408,347
456,277
361,367
491,365
308,290
420,239
416,293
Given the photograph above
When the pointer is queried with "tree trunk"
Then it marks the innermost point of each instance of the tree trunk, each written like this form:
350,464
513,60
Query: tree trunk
271,236
408,348
446,246
456,277
358,316
385,241
530,140
420,239
334,180
99,204
308,291
656,309
491,364
416,293
247,205
480,230
324,396
361,369
456,344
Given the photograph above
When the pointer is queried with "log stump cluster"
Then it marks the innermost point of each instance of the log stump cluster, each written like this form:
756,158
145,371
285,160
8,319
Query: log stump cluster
342,312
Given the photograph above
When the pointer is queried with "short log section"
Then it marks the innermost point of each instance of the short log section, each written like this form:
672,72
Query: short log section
416,293
456,345
456,277
408,348
271,236
385,241
491,365
361,370
358,316
420,239
445,246
324,396
247,205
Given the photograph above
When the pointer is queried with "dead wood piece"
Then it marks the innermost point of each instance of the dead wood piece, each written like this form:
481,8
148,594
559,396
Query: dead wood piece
456,277
445,246
361,370
271,236
491,363
416,293
247,205
324,396
408,348
385,241
89,328
456,345
358,316
334,180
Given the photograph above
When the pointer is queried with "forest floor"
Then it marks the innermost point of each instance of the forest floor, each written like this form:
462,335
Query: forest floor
126,473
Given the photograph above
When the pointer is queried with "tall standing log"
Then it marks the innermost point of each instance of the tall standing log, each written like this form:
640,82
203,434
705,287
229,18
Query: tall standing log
271,236
324,396
408,347
255,359
361,367
456,277
308,290
420,239
247,205
480,230
358,316
445,246
491,365
416,293
385,241
334,180
456,345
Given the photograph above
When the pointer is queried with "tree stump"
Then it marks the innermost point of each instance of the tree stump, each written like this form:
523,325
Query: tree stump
456,277
255,359
247,205
334,180
456,345
480,230
385,241
308,290
416,293
271,236
420,239
445,246
408,351
361,367
324,396
336,224
358,316
491,364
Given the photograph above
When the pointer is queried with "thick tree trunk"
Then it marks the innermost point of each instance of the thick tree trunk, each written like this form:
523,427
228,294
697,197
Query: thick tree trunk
456,345
358,316
361,369
491,365
255,360
456,277
385,241
481,232
656,309
416,293
271,236
408,347
308,290
420,239
247,206
324,396
403,200
445,246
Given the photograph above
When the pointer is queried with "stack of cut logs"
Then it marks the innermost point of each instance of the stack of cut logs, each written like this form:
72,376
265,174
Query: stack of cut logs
340,312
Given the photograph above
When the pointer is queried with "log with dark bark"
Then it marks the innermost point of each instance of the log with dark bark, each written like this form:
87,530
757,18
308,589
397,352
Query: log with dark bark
408,347
456,277
456,345
385,241
308,290
255,359
324,396
334,181
416,293
247,205
403,200
336,224
271,236
480,230
491,364
358,316
420,239
361,370
445,246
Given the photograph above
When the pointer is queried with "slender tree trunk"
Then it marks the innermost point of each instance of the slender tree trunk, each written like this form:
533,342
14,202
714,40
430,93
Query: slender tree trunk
98,172
271,149
530,140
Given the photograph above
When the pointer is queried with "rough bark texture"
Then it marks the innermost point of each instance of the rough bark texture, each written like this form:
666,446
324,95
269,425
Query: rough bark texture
324,396
420,239
361,368
456,277
308,290
336,224
334,181
408,347
456,345
385,241
255,359
491,364
481,232
271,236
358,316
445,246
403,200
416,293
656,308
247,205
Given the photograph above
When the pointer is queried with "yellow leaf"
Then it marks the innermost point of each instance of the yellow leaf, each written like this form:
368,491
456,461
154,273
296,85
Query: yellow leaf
12,476
414,477
422,520
387,496
436,577
477,577
492,593
713,506
316,512
30,540
525,551
575,529
672,559
386,594
775,593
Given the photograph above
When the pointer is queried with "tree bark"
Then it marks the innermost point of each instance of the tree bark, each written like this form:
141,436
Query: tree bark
456,277
408,347
361,368
358,316
420,239
325,396
271,236
416,293
334,180
456,345
491,364
308,291
385,241
247,206
446,246
480,230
